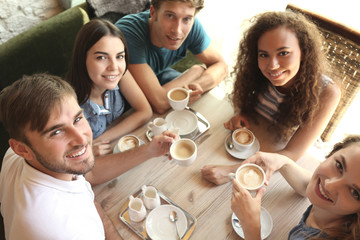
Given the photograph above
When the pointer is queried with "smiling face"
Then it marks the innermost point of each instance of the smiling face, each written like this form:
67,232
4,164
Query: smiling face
105,63
279,57
63,147
335,185
171,24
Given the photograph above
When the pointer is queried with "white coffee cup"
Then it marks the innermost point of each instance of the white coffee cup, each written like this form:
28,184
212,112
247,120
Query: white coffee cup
137,211
157,126
150,197
178,98
127,142
242,139
183,151
250,176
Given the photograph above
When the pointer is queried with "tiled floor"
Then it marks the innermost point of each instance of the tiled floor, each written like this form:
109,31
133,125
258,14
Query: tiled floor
225,22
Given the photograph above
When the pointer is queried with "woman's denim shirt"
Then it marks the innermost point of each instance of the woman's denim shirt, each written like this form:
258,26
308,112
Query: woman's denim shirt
303,232
98,116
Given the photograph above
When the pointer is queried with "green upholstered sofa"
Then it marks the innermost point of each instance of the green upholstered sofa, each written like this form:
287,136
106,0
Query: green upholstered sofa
46,47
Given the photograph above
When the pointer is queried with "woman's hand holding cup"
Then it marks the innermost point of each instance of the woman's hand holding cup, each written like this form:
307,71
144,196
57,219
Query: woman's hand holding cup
270,162
250,176
247,209
248,190
238,121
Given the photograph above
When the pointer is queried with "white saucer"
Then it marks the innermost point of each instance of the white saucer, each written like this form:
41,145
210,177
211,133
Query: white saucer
159,226
265,221
242,154
184,120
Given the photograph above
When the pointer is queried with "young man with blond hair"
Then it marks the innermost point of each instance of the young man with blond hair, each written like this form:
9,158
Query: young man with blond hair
159,38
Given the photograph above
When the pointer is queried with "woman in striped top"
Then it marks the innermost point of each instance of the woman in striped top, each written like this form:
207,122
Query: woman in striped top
280,80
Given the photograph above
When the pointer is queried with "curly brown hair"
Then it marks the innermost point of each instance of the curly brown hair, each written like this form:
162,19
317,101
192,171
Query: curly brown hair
302,101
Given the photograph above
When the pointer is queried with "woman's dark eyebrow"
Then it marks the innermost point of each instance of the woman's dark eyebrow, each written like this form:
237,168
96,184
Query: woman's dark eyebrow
279,49
105,53
343,162
282,48
99,52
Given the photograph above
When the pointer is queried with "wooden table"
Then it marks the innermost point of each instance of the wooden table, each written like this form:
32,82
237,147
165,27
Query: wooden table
208,203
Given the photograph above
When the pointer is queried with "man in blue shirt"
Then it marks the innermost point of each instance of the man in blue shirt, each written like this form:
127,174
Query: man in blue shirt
159,38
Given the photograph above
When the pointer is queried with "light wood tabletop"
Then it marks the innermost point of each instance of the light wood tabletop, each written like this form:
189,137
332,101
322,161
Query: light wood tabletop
208,203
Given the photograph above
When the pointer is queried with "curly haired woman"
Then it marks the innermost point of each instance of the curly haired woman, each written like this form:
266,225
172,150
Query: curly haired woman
280,87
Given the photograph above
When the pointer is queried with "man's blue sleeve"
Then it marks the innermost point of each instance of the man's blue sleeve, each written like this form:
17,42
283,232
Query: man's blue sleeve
199,40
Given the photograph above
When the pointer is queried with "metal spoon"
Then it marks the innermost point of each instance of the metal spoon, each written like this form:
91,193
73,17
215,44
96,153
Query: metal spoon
230,144
174,218
236,222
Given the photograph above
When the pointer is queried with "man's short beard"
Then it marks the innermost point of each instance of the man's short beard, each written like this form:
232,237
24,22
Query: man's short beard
87,164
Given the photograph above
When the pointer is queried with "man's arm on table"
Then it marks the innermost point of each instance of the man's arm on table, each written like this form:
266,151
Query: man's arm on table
110,166
216,68
207,78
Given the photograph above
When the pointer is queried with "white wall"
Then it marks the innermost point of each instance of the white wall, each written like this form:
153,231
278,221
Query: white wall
17,16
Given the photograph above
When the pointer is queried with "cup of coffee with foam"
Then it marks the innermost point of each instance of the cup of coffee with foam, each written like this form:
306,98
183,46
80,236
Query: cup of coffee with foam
126,143
183,151
178,98
250,176
242,139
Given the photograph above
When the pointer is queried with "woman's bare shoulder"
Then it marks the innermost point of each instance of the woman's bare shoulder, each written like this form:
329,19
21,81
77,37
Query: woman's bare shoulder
331,91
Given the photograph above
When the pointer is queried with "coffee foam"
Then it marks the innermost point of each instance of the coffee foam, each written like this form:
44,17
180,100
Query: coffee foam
250,177
128,143
243,137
